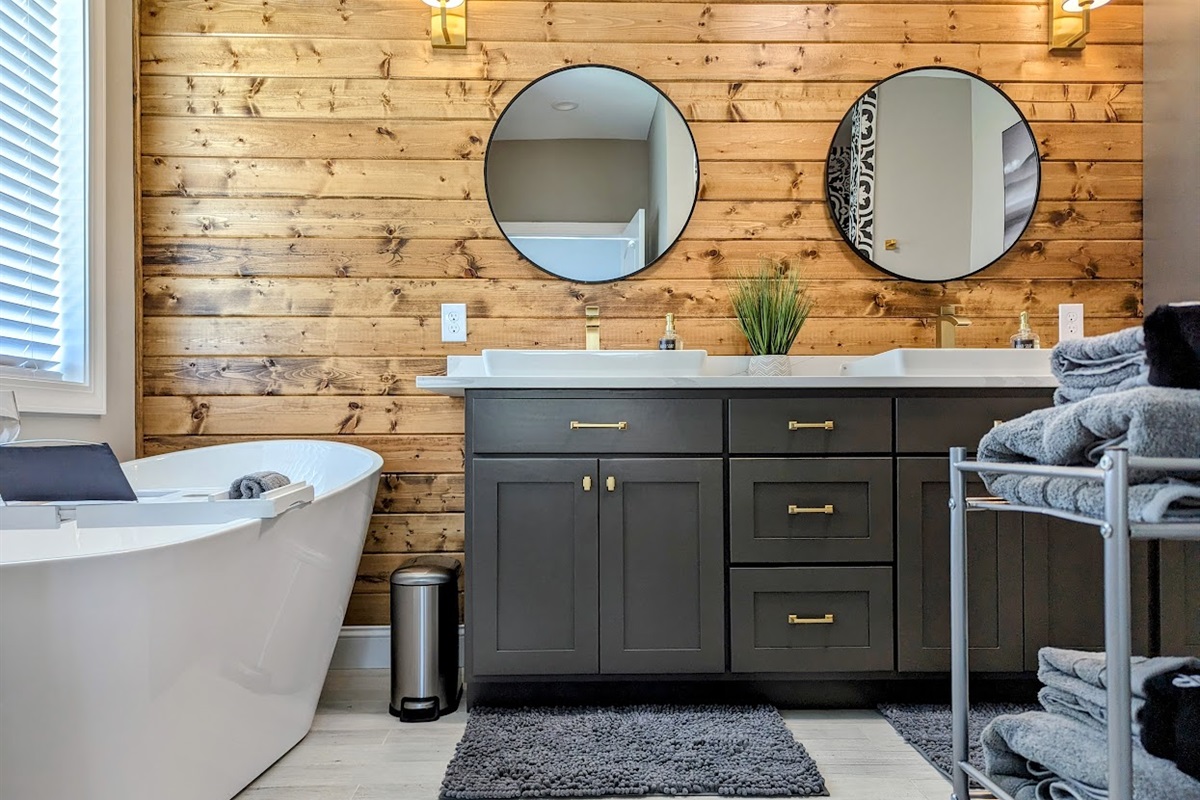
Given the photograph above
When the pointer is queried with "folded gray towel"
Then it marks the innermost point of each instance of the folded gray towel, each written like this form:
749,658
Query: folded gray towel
1149,421
1099,360
1076,682
1100,364
1041,756
253,485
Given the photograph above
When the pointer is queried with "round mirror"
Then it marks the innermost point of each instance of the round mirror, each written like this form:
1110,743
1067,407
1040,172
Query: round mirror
591,173
932,175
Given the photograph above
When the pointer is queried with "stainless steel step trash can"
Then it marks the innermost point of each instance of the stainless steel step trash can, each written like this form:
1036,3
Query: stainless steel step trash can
425,682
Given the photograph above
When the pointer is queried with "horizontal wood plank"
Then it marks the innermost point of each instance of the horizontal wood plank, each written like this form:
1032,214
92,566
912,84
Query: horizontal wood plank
286,375
401,453
375,569
471,219
278,336
1030,259
285,416
219,137
419,494
263,56
319,98
495,299
463,180
557,21
415,533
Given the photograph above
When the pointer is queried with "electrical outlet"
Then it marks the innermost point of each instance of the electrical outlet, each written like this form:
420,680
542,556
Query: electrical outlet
454,322
1070,321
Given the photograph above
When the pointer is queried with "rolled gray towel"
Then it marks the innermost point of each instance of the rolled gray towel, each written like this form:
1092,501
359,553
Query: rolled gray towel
253,485
1041,756
1100,360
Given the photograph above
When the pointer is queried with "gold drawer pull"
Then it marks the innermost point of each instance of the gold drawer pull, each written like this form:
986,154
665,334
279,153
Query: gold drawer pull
620,426
827,425
825,620
825,509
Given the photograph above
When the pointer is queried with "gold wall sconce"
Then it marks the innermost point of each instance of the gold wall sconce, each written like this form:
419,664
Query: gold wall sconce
1070,23
448,23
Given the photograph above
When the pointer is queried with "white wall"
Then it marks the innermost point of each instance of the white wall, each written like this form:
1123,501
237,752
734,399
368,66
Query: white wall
117,425
922,199
991,115
567,180
1172,156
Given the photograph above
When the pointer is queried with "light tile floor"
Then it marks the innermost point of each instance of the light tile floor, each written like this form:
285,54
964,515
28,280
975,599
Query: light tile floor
357,751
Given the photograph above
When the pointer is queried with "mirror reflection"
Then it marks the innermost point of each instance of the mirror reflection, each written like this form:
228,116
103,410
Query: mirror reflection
591,173
932,175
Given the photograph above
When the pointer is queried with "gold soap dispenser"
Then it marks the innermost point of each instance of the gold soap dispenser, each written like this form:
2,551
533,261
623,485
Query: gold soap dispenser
1025,338
670,339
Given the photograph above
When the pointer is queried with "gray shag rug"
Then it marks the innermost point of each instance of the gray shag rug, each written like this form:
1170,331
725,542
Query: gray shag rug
629,751
926,726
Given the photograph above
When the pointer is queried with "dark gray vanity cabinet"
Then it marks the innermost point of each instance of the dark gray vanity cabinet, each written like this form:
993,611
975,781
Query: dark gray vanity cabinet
534,571
582,560
994,549
1179,597
1064,588
662,565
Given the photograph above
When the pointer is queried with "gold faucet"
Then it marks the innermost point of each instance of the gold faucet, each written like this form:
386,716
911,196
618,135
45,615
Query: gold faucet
947,325
591,327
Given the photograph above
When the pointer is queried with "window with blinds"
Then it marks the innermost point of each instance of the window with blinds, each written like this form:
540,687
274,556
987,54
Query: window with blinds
43,177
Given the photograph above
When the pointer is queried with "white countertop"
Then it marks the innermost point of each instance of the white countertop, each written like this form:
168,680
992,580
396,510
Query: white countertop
721,372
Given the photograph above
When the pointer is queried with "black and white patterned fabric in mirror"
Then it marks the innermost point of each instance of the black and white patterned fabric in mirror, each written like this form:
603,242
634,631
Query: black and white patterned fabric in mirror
932,175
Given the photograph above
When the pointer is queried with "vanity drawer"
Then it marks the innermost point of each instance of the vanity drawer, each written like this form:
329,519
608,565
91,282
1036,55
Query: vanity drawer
789,510
935,424
810,619
813,426
613,425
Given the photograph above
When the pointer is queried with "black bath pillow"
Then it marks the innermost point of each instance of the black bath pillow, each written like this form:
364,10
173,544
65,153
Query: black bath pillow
62,473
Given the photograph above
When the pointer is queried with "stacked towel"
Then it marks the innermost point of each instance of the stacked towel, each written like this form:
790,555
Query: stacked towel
1148,421
256,484
1075,682
1043,756
1062,753
1173,345
1099,365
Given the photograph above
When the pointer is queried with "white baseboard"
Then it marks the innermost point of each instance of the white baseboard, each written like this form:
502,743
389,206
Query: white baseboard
370,647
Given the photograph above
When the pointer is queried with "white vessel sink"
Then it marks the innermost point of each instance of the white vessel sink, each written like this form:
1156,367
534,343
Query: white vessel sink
585,363
908,361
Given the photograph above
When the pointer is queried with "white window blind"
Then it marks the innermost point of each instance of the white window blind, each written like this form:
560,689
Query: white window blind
43,185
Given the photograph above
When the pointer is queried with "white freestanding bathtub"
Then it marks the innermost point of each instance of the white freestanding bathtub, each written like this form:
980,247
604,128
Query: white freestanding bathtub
177,662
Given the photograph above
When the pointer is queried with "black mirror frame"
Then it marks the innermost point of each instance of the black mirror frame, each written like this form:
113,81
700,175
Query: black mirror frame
1024,122
691,136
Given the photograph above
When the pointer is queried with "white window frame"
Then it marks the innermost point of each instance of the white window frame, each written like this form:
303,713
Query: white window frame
89,395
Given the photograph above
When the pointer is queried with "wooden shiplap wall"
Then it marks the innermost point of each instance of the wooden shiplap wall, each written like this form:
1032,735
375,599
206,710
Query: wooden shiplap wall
312,190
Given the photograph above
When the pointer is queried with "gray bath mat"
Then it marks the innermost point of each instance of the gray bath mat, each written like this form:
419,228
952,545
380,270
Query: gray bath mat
926,726
629,751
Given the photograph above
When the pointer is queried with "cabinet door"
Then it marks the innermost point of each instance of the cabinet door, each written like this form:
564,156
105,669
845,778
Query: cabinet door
1064,588
1179,598
532,588
994,575
662,566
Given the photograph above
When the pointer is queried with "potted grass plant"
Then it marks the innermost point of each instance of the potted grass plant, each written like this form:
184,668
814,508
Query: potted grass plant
771,306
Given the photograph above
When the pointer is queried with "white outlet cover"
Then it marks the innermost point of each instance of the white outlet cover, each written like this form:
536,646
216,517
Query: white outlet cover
1070,321
454,322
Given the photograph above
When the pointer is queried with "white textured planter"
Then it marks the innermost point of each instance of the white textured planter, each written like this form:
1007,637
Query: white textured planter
772,366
